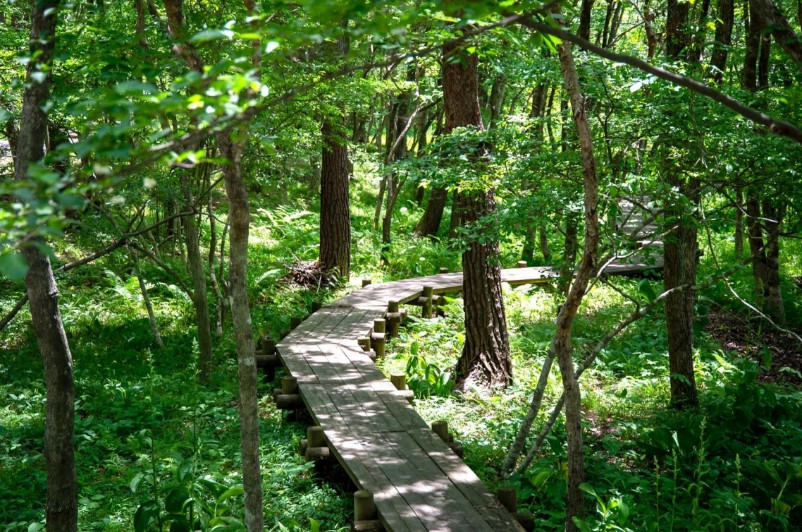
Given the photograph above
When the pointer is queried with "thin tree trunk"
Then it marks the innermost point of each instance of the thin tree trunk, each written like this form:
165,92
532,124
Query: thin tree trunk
774,300
739,224
569,251
562,336
198,276
239,221
61,509
723,38
154,326
756,250
218,294
497,93
544,242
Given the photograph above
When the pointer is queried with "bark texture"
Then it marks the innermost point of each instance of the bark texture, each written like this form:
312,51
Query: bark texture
239,221
61,510
680,246
335,214
561,344
485,357
723,39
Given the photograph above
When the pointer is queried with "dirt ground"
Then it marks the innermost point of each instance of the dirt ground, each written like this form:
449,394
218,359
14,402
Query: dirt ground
753,339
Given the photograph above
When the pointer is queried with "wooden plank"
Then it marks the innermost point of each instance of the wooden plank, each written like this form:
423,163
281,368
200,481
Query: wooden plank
465,480
451,510
352,452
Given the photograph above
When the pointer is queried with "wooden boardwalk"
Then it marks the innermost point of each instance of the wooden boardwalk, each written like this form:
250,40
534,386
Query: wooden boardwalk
417,481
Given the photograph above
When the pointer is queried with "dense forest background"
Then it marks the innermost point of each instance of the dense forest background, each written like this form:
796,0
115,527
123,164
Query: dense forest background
181,182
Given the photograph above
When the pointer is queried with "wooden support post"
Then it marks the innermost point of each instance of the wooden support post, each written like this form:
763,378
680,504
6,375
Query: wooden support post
302,445
366,282
393,317
295,321
287,397
364,343
399,380
522,264
283,334
443,270
365,515
428,292
441,429
316,444
458,449
268,346
377,337
508,497
289,385
317,305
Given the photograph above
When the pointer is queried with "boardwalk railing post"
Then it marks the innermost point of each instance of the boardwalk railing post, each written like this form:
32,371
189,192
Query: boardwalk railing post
295,321
399,380
428,296
317,305
440,428
393,317
366,282
377,337
365,512
316,444
287,397
522,264
443,269
508,497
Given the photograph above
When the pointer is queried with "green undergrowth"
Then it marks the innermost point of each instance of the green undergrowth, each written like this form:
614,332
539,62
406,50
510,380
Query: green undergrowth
734,463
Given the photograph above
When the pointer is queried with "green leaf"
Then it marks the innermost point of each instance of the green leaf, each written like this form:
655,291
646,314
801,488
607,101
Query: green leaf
13,266
230,492
145,515
211,35
646,290
176,499
135,481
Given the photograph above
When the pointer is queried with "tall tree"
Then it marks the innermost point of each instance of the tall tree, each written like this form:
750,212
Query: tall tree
335,213
61,511
486,354
231,143
680,246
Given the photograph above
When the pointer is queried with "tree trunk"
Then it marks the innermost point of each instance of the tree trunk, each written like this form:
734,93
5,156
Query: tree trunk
239,220
218,294
680,246
756,250
562,336
154,326
544,242
585,19
61,510
335,215
739,225
497,93
198,276
569,252
723,39
775,23
430,221
485,358
773,215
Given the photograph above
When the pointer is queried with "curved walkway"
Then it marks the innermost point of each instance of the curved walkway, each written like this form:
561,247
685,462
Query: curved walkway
417,481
